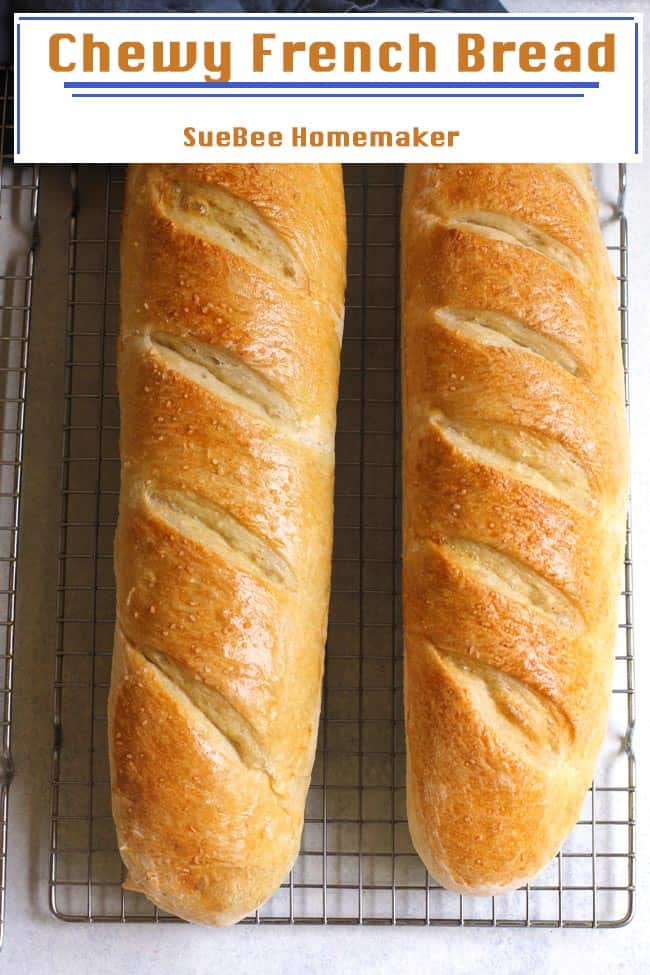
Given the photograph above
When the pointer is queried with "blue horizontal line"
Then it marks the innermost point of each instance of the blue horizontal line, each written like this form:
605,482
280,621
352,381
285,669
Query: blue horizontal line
223,85
332,94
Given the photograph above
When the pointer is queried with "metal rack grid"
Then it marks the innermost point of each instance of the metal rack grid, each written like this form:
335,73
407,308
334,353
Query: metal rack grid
357,864
18,208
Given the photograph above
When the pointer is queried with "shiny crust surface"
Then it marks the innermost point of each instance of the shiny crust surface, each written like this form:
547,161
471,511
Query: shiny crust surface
231,313
515,483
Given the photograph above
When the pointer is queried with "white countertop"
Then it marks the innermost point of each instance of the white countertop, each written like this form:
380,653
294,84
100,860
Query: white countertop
36,943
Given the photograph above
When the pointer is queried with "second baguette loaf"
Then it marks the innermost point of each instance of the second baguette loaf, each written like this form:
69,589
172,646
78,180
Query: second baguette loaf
515,475
231,316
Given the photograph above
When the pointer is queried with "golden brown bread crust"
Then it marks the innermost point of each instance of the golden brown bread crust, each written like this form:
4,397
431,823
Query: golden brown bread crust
515,476
231,314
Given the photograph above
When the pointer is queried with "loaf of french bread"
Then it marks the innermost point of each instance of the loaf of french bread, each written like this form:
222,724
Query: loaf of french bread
231,316
515,485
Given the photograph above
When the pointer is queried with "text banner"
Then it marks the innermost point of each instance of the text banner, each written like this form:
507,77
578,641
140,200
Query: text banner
350,88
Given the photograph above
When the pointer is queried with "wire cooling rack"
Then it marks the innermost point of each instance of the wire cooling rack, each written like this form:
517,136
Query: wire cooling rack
357,865
18,208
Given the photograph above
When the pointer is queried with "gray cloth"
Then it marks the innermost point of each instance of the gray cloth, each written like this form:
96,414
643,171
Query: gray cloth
256,6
